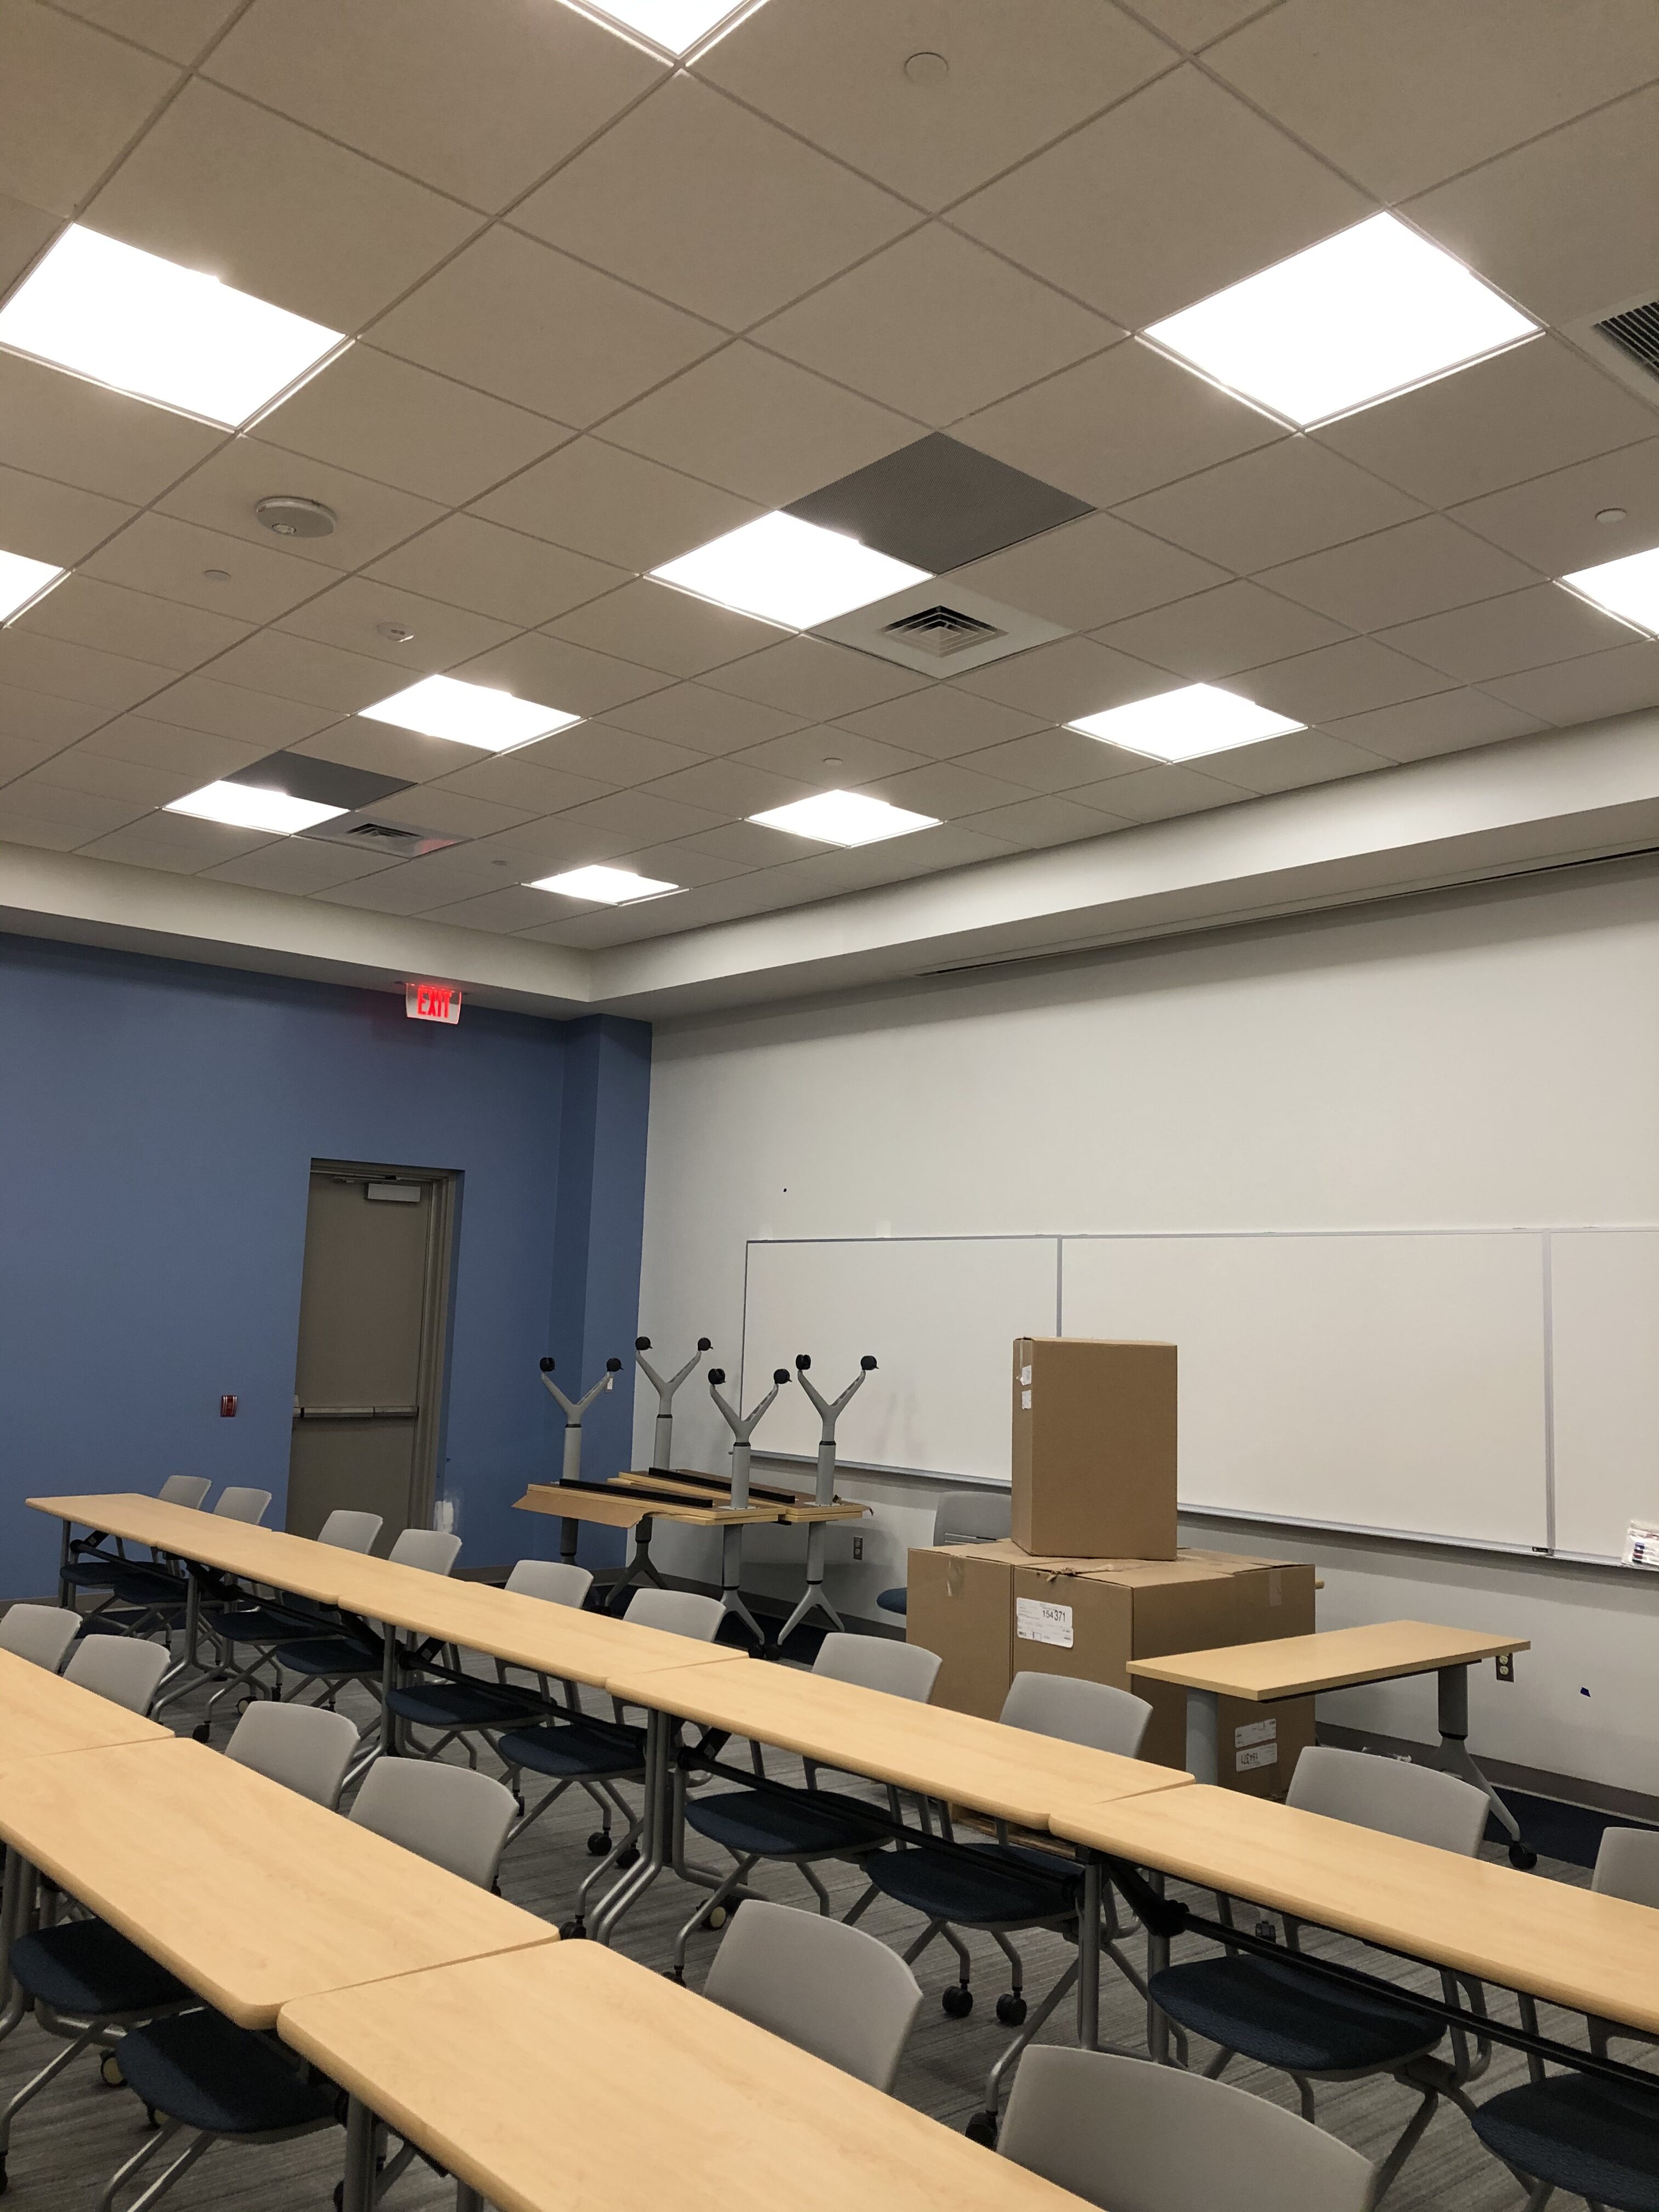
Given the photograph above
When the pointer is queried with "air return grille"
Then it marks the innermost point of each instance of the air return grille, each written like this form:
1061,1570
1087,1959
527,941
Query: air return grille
942,630
1636,331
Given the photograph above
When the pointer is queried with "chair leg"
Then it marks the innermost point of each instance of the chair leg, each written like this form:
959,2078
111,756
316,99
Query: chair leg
851,1919
1408,2140
1304,2090
30,2089
139,2160
1219,2065
993,2079
715,1898
816,1887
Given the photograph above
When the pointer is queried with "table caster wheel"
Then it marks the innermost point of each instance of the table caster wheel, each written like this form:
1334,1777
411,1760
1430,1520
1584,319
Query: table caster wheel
200,1732
109,2071
1011,2009
1521,1857
573,1931
958,2002
628,1857
983,2129
598,1844
717,1917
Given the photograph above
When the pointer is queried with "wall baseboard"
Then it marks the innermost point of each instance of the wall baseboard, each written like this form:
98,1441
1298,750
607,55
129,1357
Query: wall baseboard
1536,1781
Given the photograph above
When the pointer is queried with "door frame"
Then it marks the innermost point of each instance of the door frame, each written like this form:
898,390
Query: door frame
432,1375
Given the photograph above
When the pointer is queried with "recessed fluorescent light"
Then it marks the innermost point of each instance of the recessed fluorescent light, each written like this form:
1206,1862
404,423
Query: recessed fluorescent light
788,571
22,582
246,806
469,714
1356,318
1628,588
844,817
609,886
108,312
1184,724
668,27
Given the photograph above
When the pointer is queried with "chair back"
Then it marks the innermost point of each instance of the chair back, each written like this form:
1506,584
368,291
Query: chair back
677,1612
556,1580
878,1662
42,1633
973,1516
833,1989
1134,2137
120,1668
453,1816
433,1550
350,1531
248,1505
305,1747
1081,1712
184,1489
1391,1795
1626,1865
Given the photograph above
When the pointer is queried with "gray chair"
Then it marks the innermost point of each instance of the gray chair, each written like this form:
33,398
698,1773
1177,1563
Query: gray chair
118,1667
1133,2138
677,1612
448,1815
269,1619
349,1530
460,1710
1272,2011
89,1567
830,1989
303,1748
962,1517
239,1504
42,1633
183,1490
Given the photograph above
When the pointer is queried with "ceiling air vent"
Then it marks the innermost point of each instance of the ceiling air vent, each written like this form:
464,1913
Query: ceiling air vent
1625,341
942,631
1636,331
395,840
940,637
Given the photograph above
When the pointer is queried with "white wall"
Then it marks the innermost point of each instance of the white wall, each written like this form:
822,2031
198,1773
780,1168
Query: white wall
1479,1059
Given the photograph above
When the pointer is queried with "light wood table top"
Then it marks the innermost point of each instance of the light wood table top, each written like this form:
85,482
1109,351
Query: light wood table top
41,1713
249,1892
1336,1658
626,1509
298,1565
571,2077
1597,1954
1011,1774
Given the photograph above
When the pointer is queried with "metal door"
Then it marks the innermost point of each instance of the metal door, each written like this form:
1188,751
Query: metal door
368,1372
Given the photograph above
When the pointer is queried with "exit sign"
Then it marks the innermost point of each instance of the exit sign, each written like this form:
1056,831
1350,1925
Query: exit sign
432,1002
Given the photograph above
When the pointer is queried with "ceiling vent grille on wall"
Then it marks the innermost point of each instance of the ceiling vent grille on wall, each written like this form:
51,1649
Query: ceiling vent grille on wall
1636,333
943,630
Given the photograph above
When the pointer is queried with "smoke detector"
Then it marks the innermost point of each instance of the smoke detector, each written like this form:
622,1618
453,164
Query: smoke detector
289,517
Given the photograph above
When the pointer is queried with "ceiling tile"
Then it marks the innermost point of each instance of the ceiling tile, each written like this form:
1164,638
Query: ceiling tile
177,29
54,522
25,231
697,715
1615,683
300,668
19,754
616,505
1416,568
557,673
383,750
1524,629
220,185
35,663
388,419
514,318
231,710
355,615
156,553
1117,425
82,611
1536,408
746,843
893,860
681,863
730,789
1359,673
813,677
824,757
478,565
1089,573
1158,795
1194,24
709,205
1264,508
627,818
405,889
222,494
44,719
1402,95
530,850
611,757
299,866
1216,634
197,757
176,842
430,807
1053,761
62,427
946,720
936,326
503,911
1029,824
1299,759
839,80
661,628
1448,722
1551,522
943,788
34,802
479,102
70,101
1071,677
1202,192
1564,225
526,786
136,783
759,427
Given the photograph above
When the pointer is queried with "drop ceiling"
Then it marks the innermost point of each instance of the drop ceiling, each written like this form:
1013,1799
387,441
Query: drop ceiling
606,309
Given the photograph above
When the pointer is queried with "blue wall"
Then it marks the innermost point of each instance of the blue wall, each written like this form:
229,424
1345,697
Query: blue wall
159,1122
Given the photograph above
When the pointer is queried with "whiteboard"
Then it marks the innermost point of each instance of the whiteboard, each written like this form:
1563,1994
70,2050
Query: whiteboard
939,1314
1375,1381
1605,1286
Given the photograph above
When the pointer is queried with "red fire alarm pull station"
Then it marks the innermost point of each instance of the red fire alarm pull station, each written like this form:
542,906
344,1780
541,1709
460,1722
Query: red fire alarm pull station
432,1002
227,1406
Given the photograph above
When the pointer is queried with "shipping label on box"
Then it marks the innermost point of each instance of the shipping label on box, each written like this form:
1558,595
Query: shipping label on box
1037,1621
1255,1744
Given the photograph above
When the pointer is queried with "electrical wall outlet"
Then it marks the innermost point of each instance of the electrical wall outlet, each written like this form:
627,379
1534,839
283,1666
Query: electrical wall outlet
1505,1665
858,1547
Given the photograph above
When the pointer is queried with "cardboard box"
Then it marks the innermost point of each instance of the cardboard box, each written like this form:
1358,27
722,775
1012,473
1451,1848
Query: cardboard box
1094,1447
992,1611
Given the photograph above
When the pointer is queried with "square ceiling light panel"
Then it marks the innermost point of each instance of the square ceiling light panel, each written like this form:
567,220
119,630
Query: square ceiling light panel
1628,588
247,806
675,28
22,581
1371,312
940,504
844,817
131,320
469,714
788,572
287,794
609,886
1186,724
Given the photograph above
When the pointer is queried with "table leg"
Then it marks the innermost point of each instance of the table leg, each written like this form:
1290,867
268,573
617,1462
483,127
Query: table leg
388,1684
467,2199
13,1912
359,2190
62,1564
658,1770
1158,1958
1455,1757
1088,1957
1203,1734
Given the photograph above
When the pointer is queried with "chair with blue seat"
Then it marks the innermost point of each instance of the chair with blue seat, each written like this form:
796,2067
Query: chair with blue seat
999,1888
799,1827
256,1624
1272,2011
460,1711
88,1567
964,1516
40,1633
